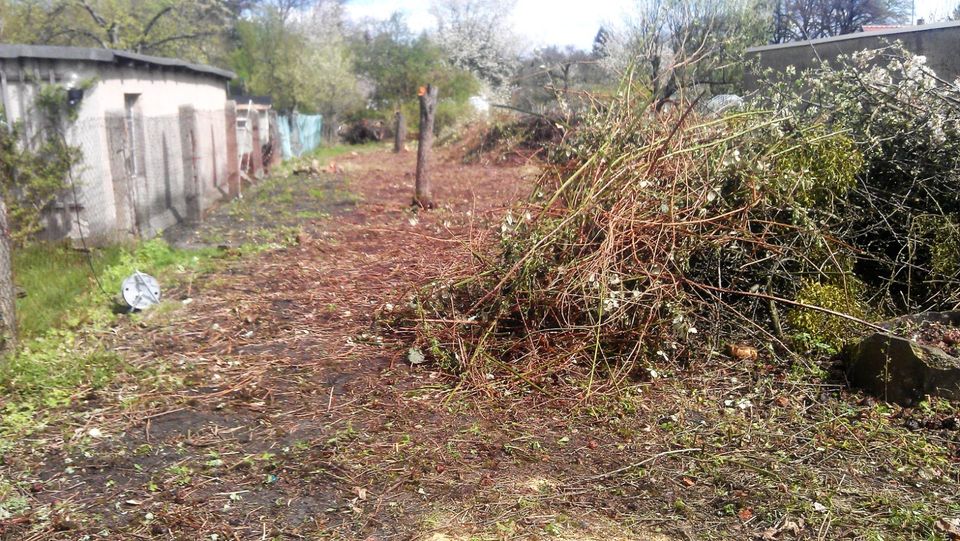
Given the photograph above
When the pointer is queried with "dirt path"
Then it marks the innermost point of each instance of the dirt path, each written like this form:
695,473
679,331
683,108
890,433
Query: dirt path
274,409
267,403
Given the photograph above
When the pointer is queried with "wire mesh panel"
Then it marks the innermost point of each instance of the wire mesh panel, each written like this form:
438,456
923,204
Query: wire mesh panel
140,174
87,206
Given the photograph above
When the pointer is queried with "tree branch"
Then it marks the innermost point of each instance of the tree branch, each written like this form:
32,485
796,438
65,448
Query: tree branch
96,16
80,32
178,37
149,27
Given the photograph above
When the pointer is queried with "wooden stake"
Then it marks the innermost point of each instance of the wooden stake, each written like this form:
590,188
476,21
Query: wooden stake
428,106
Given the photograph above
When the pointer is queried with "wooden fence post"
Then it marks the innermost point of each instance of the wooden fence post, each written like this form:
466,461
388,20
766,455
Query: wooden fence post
233,159
399,132
276,151
428,106
256,151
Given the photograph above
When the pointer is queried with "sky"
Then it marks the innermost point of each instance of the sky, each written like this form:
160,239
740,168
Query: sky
554,22
538,22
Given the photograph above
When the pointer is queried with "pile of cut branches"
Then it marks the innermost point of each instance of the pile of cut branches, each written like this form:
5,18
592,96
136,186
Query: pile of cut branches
658,238
510,136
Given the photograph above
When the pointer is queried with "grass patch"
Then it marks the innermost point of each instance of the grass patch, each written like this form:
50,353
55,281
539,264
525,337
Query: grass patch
61,355
325,154
46,374
60,287
55,278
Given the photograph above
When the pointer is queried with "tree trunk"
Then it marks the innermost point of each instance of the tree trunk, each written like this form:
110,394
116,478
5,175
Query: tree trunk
8,294
399,132
428,106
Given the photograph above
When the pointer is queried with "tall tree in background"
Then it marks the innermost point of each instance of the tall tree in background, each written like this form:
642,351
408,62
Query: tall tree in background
679,45
476,37
396,62
190,29
811,19
21,21
297,53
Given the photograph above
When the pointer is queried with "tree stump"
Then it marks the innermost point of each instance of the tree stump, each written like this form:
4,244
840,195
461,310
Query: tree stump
399,132
428,106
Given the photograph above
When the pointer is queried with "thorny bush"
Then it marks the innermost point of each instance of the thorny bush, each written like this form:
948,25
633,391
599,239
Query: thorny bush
631,247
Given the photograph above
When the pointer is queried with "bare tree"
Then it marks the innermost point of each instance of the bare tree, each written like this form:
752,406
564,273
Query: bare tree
675,45
811,19
555,78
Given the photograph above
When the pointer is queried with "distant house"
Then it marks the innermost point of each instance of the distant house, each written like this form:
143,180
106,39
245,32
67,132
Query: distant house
938,42
157,134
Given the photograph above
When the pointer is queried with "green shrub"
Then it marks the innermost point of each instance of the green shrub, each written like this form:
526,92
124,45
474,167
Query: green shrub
905,123
817,170
941,235
818,330
31,178
33,173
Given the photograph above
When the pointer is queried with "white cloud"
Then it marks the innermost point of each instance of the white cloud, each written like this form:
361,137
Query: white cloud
538,22
565,22
417,13
556,22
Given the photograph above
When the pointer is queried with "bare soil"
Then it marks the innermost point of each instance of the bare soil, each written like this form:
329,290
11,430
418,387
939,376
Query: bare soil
939,335
273,405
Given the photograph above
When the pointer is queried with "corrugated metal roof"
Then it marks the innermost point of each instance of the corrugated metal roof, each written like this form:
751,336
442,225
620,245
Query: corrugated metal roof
892,32
89,54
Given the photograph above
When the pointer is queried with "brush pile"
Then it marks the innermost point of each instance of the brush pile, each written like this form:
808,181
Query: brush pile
657,238
510,138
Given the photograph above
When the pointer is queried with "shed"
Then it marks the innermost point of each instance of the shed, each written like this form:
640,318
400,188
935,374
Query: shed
157,137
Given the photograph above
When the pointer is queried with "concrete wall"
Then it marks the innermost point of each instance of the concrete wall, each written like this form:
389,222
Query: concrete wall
178,138
940,43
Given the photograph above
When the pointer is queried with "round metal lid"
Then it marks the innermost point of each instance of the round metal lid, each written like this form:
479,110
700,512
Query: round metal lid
140,291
